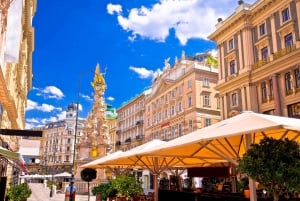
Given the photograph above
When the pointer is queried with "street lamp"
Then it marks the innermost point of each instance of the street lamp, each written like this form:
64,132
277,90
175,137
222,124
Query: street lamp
51,189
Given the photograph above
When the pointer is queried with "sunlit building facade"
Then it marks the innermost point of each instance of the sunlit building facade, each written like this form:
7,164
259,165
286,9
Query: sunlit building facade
259,52
182,99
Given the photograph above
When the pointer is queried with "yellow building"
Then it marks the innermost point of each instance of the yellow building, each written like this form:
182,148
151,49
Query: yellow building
259,53
16,47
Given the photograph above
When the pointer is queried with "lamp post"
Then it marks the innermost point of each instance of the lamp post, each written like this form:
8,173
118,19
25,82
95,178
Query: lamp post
51,189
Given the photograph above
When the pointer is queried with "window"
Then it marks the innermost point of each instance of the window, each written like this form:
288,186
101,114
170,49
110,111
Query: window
264,91
159,117
288,83
179,130
190,125
180,90
173,94
190,101
180,106
148,108
172,110
207,122
234,99
294,110
232,67
206,100
189,83
166,113
264,53
206,82
288,40
166,98
262,29
166,134
218,102
173,133
285,15
297,77
230,44
271,89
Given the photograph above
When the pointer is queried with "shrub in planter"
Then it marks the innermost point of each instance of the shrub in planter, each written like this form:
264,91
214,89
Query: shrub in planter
127,186
19,192
106,190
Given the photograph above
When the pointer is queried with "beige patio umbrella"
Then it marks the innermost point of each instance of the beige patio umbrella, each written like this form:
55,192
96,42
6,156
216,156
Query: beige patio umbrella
134,158
229,139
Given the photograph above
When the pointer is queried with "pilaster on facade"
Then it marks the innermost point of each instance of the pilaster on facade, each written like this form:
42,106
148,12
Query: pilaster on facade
267,46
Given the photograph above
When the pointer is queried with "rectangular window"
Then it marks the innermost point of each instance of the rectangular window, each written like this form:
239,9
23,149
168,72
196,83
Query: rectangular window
190,125
288,40
262,29
173,94
173,133
166,98
179,130
206,82
297,77
189,83
264,53
264,91
190,101
271,89
288,83
166,113
232,67
166,134
285,15
207,122
172,110
294,110
206,100
218,102
230,44
234,99
180,106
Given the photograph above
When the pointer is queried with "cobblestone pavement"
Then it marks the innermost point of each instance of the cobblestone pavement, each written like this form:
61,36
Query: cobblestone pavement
39,193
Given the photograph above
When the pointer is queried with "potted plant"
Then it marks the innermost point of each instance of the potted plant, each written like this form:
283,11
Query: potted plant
19,192
104,191
245,184
274,164
127,187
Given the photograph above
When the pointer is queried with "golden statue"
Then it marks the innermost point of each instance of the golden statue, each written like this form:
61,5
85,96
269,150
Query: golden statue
98,79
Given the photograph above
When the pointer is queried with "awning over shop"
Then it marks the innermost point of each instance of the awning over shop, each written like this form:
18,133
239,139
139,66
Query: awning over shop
13,158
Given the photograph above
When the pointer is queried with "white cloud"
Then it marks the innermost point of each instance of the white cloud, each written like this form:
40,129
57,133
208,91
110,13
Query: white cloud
86,97
142,72
111,9
49,92
32,105
188,18
110,98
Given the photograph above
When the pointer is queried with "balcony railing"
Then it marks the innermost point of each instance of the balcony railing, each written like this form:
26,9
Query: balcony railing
128,140
284,51
139,137
260,63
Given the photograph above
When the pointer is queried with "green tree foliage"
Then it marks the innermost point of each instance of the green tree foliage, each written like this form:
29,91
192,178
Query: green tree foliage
88,174
275,164
19,192
212,61
106,190
127,186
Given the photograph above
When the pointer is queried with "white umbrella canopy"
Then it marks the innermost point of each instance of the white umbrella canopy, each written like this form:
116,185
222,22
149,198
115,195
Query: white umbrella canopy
63,174
228,139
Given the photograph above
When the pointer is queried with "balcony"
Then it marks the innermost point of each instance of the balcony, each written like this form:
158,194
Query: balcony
284,51
128,140
139,137
260,63
140,122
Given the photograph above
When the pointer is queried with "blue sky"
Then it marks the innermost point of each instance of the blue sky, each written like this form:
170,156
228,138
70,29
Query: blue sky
130,39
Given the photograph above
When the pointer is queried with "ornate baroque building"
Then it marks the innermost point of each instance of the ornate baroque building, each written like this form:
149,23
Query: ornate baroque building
259,53
182,99
57,143
16,47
